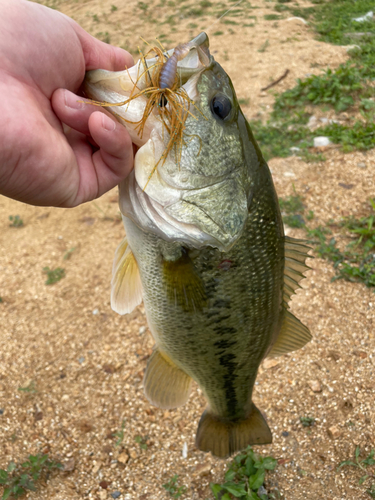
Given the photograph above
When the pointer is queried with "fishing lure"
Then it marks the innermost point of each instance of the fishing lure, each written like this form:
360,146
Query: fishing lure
165,96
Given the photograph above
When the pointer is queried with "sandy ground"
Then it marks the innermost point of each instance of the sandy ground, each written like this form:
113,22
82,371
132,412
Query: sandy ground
86,363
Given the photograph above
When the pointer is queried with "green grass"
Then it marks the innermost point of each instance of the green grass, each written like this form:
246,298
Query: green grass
336,88
245,101
307,421
120,434
53,275
174,490
360,135
143,6
17,479
31,388
356,262
362,466
276,140
15,220
347,88
69,253
245,477
292,209
142,441
272,17
264,46
104,36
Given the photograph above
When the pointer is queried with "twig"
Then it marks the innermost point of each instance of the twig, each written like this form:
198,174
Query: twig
276,81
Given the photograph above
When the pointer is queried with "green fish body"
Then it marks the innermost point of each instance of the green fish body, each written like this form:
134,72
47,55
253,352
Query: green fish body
206,251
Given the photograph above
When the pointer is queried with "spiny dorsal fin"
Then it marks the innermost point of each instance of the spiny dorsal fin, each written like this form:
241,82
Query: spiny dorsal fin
126,291
295,265
166,385
293,335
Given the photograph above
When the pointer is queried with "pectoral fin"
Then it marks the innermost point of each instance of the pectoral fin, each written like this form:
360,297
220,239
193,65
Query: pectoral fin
165,384
223,438
184,286
293,336
126,291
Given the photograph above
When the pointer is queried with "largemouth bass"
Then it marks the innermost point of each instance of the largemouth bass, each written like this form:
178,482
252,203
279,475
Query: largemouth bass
205,248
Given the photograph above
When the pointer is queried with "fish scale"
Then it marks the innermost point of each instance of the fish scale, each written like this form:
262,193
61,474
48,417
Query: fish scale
206,251
233,334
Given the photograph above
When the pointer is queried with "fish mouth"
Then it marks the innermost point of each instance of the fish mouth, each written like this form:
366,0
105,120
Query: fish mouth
153,199
116,87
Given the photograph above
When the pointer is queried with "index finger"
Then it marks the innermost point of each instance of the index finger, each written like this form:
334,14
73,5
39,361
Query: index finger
101,55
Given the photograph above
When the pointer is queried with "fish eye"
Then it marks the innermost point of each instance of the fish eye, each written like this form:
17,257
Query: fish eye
221,106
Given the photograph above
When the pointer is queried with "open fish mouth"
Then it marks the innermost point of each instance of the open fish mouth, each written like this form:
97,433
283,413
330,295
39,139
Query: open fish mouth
162,195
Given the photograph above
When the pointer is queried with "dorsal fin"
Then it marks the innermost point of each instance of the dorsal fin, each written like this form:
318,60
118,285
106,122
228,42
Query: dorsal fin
293,334
295,265
126,291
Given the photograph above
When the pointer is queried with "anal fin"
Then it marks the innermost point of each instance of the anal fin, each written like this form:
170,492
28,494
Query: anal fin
293,335
165,384
126,292
223,438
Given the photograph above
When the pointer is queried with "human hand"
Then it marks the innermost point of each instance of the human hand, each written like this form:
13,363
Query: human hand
42,53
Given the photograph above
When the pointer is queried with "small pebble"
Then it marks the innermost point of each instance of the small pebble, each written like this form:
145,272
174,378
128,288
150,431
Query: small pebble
123,458
142,330
270,363
366,17
1,411
285,434
312,121
115,494
361,164
95,311
334,432
81,360
261,491
202,470
321,142
315,386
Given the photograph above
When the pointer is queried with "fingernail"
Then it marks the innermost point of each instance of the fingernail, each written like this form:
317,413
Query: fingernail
108,123
73,101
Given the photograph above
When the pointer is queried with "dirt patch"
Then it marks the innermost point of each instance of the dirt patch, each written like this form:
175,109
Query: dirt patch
86,363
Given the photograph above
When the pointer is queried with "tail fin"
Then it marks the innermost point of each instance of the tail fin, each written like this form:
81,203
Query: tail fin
223,438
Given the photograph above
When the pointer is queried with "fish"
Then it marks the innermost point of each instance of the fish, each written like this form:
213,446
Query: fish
205,247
